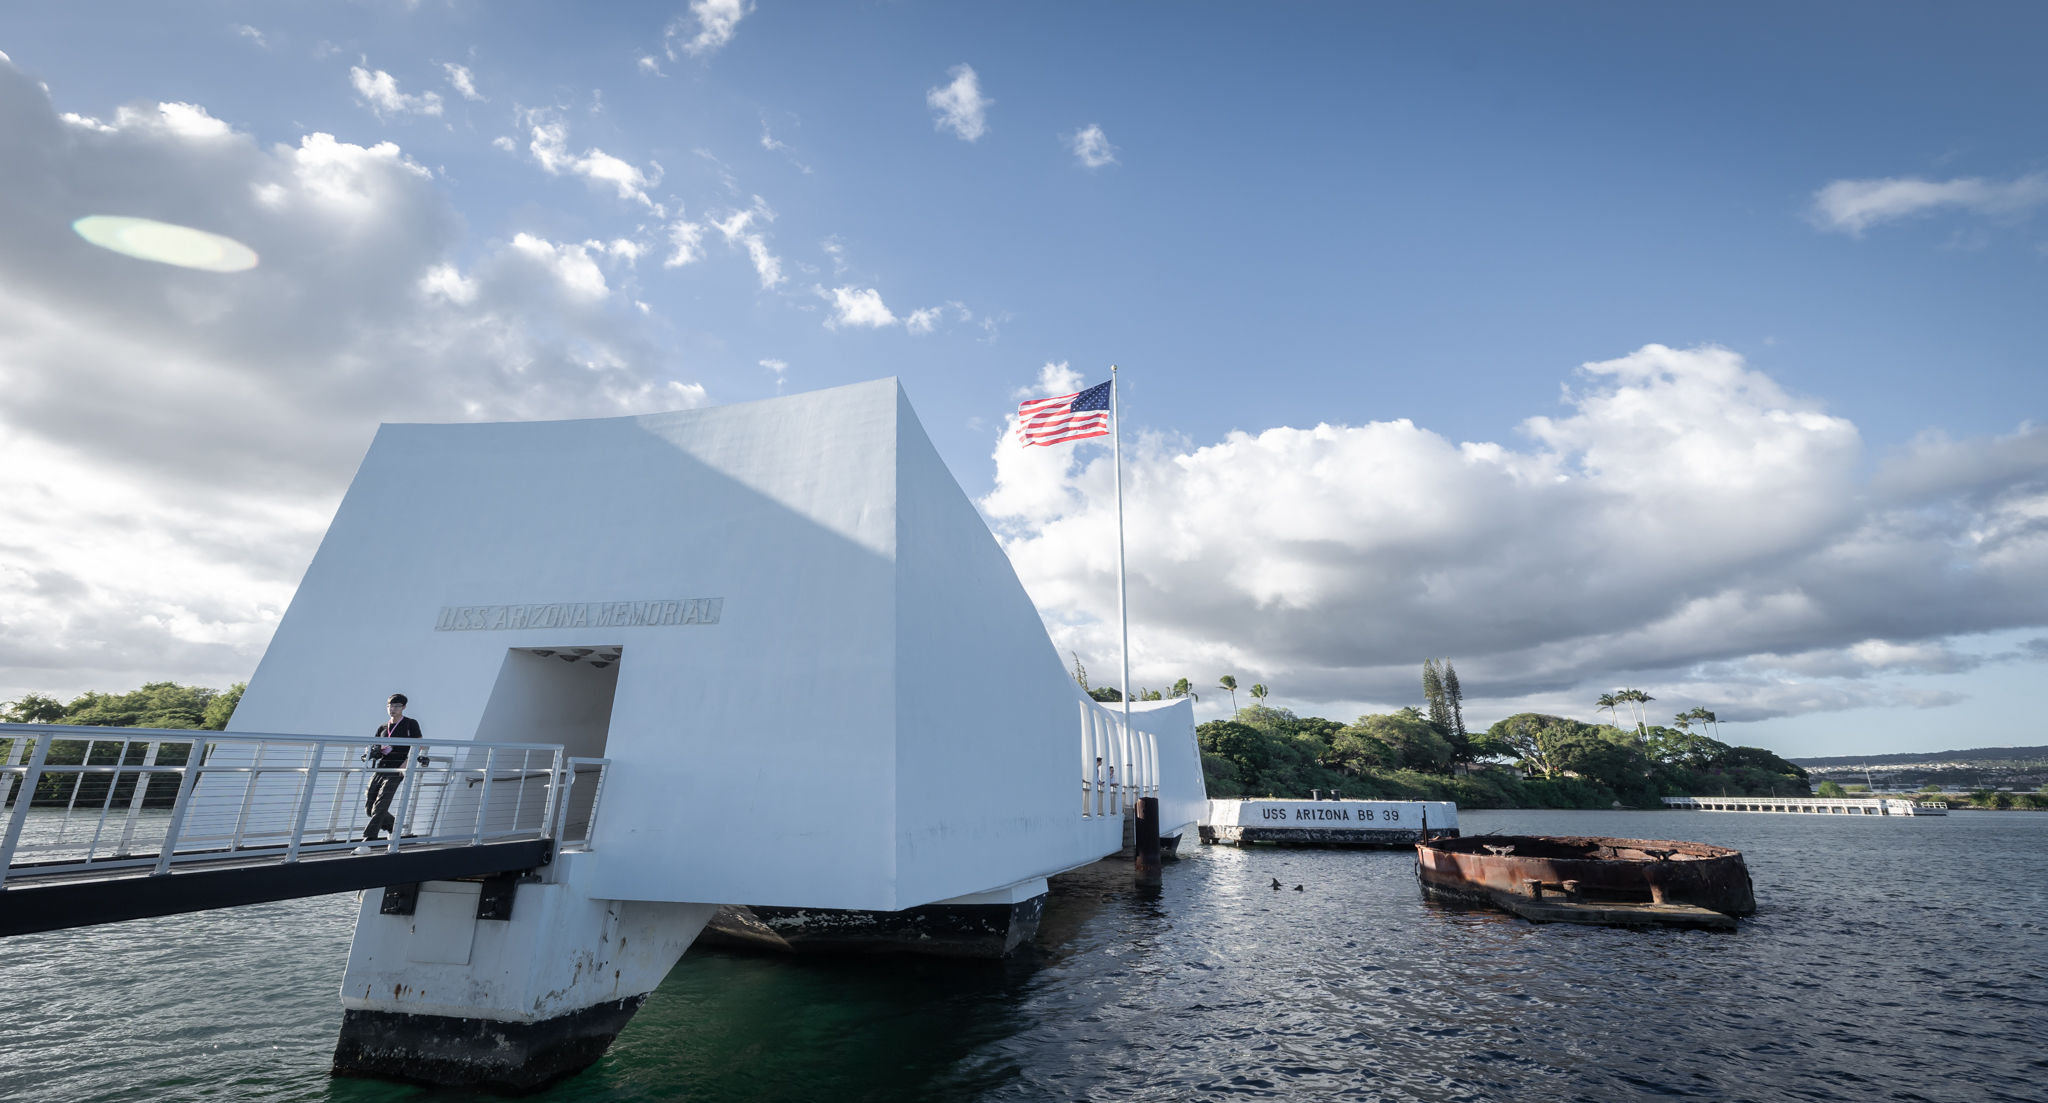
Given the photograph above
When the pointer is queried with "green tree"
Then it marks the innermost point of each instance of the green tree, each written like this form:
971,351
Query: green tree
1184,688
1259,692
1106,693
1080,672
1542,743
33,708
221,709
1639,699
155,705
1832,790
1433,696
1414,743
1610,703
1685,750
1454,695
1357,751
1229,682
1243,746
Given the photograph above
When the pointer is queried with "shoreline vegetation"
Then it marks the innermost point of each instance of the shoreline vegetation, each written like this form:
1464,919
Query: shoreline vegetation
1527,761
156,705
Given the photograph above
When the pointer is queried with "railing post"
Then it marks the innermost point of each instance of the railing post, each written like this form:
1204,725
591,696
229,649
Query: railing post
92,849
405,787
194,763
483,800
561,815
135,801
22,802
249,795
547,811
291,852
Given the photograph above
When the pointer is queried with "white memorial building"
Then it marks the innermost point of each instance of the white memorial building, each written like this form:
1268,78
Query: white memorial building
817,679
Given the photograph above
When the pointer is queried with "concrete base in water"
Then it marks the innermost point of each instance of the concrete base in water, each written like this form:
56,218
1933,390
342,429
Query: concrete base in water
984,925
1390,837
450,987
450,1052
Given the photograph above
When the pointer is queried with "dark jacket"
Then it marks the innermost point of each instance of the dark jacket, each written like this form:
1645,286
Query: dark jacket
406,728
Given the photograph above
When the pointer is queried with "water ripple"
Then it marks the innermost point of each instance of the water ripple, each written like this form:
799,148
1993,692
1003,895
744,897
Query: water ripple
1891,960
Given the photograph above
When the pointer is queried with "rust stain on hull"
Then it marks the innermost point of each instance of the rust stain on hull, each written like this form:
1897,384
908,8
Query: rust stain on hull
1591,879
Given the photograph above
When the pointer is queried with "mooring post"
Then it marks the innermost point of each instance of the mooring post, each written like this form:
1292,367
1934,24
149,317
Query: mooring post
1148,838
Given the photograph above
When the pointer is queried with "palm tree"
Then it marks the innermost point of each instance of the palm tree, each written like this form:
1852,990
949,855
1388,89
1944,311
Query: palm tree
1607,701
1637,698
1706,714
1259,693
1684,720
1229,682
1184,688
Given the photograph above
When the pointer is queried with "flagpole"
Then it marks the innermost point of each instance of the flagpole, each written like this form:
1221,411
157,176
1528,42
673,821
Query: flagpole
1123,608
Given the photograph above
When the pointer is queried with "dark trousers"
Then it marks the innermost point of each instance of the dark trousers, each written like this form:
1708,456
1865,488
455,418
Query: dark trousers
383,787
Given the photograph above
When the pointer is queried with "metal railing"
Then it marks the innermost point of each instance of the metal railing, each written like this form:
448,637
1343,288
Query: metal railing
77,799
1851,806
1132,759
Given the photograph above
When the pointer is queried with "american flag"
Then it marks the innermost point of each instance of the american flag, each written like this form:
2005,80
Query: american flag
1065,417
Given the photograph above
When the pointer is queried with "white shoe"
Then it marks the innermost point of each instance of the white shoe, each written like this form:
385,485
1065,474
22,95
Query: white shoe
363,849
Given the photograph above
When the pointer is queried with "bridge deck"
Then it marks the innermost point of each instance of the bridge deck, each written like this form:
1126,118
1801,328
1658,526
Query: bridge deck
258,818
56,901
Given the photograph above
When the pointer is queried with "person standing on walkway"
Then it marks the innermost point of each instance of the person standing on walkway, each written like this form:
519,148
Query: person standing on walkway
394,740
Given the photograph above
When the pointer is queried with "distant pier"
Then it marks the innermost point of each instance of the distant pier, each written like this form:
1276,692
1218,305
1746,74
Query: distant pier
1388,823
1827,806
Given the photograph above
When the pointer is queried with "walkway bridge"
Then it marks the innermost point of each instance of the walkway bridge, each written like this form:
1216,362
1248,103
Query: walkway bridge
108,824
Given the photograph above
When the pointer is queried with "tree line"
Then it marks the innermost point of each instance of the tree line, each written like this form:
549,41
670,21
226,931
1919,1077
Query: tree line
1530,760
155,705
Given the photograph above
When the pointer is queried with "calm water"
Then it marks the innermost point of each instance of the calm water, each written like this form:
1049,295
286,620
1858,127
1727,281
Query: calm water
1891,959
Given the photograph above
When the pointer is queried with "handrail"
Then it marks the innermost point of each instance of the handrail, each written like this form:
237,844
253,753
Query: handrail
253,796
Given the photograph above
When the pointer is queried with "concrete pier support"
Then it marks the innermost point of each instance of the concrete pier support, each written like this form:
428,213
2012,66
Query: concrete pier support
1148,839
984,925
440,996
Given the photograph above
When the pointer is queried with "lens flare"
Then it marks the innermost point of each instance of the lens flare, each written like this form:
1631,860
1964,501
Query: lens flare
165,243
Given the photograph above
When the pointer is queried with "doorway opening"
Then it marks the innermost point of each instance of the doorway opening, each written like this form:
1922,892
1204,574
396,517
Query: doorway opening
554,695
550,695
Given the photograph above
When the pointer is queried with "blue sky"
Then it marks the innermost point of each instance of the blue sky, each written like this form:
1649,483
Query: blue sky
1806,490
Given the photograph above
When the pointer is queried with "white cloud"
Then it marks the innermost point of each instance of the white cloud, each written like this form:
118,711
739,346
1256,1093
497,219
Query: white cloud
686,240
447,282
776,366
459,78
1686,523
550,149
649,65
961,107
857,306
568,265
1091,146
1852,206
224,415
926,320
738,230
252,34
505,143
379,89
714,22
773,144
